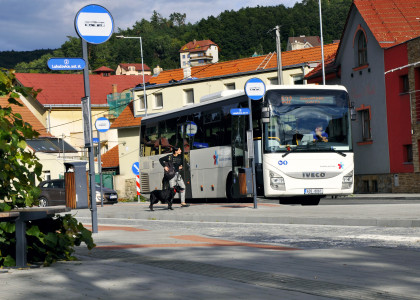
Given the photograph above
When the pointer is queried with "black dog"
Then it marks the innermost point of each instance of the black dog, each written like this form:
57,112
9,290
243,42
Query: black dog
164,196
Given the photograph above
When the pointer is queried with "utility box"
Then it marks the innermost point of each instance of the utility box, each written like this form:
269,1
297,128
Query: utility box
245,181
75,180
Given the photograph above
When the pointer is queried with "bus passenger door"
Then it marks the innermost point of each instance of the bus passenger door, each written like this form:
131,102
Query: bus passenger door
239,156
185,142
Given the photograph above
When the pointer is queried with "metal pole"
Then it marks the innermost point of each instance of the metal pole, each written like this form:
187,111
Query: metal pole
144,83
90,143
100,168
252,159
322,44
279,64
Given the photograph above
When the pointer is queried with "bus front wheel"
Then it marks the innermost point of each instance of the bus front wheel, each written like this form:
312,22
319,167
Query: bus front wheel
311,201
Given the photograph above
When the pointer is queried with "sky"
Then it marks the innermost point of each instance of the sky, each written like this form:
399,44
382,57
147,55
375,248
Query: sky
27,25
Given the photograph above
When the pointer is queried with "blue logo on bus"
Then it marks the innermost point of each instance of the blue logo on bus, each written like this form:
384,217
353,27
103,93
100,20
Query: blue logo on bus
282,162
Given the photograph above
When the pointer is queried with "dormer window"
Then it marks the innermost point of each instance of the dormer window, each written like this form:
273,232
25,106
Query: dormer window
131,68
361,49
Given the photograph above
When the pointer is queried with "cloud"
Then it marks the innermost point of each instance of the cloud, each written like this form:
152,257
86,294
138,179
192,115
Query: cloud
41,24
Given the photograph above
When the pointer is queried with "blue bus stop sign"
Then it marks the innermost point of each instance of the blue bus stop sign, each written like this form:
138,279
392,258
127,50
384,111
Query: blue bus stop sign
136,168
255,88
94,24
64,64
239,111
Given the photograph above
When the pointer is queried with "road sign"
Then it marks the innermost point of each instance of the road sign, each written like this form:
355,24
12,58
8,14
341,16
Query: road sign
136,168
255,88
95,140
65,64
102,124
239,111
94,24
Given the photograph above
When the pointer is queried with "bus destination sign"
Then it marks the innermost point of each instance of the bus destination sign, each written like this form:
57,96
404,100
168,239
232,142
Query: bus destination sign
306,100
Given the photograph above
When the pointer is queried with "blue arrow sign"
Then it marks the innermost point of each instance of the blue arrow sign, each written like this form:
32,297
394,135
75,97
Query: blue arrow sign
255,88
94,24
66,64
239,111
136,168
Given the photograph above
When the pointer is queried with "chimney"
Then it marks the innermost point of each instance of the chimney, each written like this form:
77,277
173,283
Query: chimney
187,72
157,70
114,91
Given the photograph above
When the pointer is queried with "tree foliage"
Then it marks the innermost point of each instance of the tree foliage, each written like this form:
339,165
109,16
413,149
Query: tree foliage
238,34
48,239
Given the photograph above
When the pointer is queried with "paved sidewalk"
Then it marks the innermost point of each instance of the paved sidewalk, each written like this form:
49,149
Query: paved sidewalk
386,215
133,261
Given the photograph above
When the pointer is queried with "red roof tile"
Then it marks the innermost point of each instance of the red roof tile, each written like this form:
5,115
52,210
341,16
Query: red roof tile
67,89
289,58
137,66
27,116
196,46
110,158
103,69
126,118
392,22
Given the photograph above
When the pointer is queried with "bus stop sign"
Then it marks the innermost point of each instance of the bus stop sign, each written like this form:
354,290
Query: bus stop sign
94,24
255,88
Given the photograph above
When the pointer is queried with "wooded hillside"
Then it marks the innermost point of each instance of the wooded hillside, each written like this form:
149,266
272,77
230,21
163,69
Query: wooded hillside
238,34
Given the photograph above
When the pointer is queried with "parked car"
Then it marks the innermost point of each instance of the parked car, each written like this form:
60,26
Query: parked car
53,192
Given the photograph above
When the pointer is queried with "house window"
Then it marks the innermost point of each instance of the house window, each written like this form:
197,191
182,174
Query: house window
408,153
230,86
298,79
273,81
362,49
189,96
158,100
141,101
404,86
131,68
365,117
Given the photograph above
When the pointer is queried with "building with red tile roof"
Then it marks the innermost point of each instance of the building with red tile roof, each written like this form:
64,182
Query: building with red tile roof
110,159
301,42
68,89
27,116
197,53
378,61
133,69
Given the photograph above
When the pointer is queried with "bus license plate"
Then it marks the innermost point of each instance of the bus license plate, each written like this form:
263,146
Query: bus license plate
314,191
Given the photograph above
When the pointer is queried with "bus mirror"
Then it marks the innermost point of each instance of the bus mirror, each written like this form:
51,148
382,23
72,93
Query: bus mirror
265,115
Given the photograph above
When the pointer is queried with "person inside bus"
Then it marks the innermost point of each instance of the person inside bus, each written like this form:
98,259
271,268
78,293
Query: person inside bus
319,134
177,160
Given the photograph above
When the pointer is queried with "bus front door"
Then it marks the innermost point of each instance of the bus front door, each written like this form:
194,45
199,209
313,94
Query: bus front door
184,142
239,157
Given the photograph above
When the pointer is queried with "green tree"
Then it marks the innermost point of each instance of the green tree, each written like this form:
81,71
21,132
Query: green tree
48,239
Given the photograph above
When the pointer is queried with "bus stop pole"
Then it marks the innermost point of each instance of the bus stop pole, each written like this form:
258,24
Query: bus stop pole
100,168
87,119
252,158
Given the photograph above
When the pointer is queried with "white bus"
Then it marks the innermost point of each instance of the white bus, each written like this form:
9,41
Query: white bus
292,163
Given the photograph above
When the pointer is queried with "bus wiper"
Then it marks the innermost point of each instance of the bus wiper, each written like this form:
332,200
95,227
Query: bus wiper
288,152
338,152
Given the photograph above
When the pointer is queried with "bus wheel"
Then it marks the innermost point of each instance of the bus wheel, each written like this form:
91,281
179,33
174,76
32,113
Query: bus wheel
229,188
310,201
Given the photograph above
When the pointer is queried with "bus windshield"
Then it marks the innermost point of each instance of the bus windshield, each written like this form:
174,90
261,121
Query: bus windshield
307,121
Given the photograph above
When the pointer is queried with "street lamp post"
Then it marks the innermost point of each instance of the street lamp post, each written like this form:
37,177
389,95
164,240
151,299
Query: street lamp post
142,66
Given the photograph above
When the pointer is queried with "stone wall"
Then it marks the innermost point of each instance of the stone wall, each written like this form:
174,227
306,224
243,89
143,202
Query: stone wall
130,188
387,183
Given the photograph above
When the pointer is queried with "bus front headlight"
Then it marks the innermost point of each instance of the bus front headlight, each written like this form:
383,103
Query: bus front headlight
347,181
277,182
